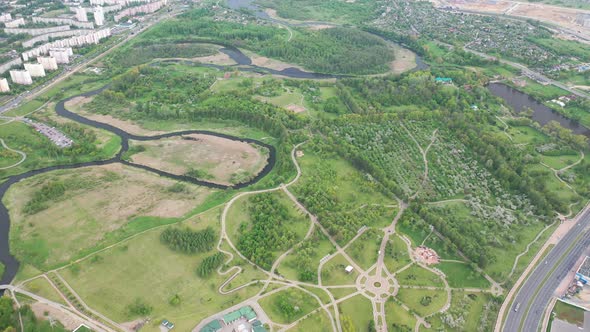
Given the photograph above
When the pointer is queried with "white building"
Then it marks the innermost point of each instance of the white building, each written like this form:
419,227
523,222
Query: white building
15,24
98,16
37,31
61,55
48,62
22,77
4,85
35,69
81,14
5,17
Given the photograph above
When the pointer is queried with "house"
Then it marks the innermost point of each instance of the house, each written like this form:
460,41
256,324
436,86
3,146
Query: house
444,80
213,326
349,269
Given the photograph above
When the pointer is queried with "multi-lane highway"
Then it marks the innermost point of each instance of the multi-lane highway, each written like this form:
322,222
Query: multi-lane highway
533,297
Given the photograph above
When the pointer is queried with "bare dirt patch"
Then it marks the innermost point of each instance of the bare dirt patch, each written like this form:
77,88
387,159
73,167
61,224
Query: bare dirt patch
404,60
296,108
219,59
126,125
262,61
98,200
214,158
561,16
69,321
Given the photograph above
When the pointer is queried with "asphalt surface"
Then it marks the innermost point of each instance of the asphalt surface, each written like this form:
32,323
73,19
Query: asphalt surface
537,290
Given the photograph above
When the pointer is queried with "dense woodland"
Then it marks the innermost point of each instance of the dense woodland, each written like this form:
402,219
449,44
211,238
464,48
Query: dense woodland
335,50
187,240
266,233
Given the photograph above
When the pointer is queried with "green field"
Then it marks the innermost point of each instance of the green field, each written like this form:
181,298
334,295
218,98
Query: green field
158,274
359,310
288,305
418,276
461,275
364,250
396,254
333,272
423,301
568,313
397,317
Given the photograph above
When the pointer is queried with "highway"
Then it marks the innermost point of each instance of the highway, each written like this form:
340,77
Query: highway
540,286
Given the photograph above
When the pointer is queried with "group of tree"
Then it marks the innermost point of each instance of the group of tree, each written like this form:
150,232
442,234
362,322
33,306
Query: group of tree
11,319
266,232
187,240
210,264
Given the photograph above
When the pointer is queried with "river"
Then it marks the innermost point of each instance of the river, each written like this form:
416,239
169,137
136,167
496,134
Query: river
11,264
541,113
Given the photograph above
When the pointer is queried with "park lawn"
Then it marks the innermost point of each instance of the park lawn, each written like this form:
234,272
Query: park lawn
559,162
324,297
461,275
416,275
9,157
39,149
415,234
397,317
342,292
413,297
527,135
25,108
556,187
41,287
322,247
351,186
158,273
288,305
100,205
293,97
318,321
396,254
443,251
569,313
229,84
365,249
473,314
358,308
507,252
333,272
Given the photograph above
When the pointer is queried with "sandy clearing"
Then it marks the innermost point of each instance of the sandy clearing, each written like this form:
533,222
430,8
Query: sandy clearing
262,61
218,59
296,108
320,26
218,157
69,321
126,125
404,60
561,16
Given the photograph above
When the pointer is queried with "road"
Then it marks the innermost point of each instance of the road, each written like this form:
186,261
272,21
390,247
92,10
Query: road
537,291
531,73
30,95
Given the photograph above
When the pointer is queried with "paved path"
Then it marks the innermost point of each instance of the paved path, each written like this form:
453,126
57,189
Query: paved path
23,155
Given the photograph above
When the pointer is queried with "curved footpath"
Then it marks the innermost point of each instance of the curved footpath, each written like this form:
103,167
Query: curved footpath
10,262
538,289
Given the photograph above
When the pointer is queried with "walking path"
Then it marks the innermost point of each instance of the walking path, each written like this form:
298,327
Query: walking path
23,155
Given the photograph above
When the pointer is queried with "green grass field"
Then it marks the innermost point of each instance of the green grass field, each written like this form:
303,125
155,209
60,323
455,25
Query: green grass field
397,317
41,287
432,300
559,162
569,313
365,249
289,305
317,320
333,272
418,276
158,274
322,247
396,254
461,275
359,309
94,212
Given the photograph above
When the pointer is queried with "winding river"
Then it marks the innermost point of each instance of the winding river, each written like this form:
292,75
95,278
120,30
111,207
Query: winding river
11,263
541,113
